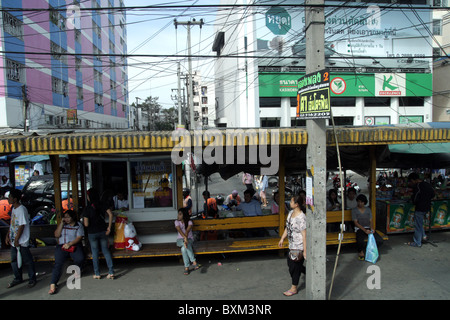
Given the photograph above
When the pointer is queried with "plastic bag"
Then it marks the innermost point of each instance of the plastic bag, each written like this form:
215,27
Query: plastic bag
371,249
119,232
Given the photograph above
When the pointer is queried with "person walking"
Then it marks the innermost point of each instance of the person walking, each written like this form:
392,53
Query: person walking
295,232
18,237
423,192
98,231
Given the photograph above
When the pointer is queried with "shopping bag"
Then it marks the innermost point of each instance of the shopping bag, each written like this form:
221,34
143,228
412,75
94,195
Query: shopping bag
371,249
119,232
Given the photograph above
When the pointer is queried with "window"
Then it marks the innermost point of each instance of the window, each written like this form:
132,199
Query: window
270,122
58,53
77,35
342,121
12,25
78,62
377,101
80,93
151,184
57,18
410,119
97,76
343,101
437,27
412,101
98,99
270,102
56,85
96,52
15,71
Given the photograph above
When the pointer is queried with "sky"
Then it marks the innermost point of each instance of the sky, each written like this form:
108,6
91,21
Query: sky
152,32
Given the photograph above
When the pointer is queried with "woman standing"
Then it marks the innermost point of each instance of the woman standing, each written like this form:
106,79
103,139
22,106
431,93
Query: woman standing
295,231
98,232
69,234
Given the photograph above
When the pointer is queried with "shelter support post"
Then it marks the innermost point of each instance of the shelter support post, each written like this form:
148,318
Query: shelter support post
372,185
281,192
74,181
179,185
54,160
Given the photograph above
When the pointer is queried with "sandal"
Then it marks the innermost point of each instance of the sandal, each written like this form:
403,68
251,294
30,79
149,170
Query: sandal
413,244
361,258
186,271
52,290
110,276
197,266
289,293
96,277
13,284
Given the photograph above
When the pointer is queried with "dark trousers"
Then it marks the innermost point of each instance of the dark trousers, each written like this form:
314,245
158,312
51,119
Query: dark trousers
361,238
27,258
60,258
296,268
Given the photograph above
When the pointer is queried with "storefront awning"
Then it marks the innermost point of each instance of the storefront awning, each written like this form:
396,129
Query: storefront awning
420,148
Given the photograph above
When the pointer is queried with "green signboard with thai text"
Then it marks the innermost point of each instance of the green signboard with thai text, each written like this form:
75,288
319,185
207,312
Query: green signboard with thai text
352,84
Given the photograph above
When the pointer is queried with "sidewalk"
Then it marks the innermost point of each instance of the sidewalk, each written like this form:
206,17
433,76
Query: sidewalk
406,274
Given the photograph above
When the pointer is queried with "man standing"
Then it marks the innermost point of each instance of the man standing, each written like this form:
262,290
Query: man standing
422,194
18,237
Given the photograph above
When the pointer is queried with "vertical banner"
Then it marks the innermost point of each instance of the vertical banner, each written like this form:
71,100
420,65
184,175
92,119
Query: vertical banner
313,96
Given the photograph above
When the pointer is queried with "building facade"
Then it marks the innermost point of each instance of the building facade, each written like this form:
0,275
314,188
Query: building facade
62,64
379,56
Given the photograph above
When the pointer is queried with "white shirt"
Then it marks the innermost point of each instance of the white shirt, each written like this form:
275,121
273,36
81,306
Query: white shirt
19,217
118,204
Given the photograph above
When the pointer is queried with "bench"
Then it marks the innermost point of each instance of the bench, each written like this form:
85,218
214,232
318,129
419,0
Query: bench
201,247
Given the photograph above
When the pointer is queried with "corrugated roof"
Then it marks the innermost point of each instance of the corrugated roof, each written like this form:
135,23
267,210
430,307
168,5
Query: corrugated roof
129,142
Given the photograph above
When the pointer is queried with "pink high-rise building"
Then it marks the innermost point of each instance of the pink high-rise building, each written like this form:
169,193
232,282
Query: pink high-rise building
63,63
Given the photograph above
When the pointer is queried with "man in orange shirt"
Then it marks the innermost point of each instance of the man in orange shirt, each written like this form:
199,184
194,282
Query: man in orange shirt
5,210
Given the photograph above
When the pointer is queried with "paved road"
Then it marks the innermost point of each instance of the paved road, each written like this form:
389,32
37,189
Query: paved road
405,273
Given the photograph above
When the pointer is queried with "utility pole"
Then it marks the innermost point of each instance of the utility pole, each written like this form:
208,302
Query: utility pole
137,112
190,92
316,160
180,121
25,108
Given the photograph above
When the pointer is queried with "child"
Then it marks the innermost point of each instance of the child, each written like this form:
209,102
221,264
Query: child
185,238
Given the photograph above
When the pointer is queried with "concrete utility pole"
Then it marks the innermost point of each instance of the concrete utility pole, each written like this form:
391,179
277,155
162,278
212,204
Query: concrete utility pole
316,161
137,112
190,89
25,102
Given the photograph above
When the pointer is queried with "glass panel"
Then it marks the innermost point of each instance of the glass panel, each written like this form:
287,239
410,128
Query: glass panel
152,184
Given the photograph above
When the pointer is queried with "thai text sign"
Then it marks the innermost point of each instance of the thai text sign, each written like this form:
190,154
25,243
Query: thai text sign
313,96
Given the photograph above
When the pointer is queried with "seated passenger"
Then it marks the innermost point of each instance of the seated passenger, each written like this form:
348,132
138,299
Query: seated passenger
120,203
233,199
67,204
163,195
250,207
332,201
276,204
5,210
210,206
